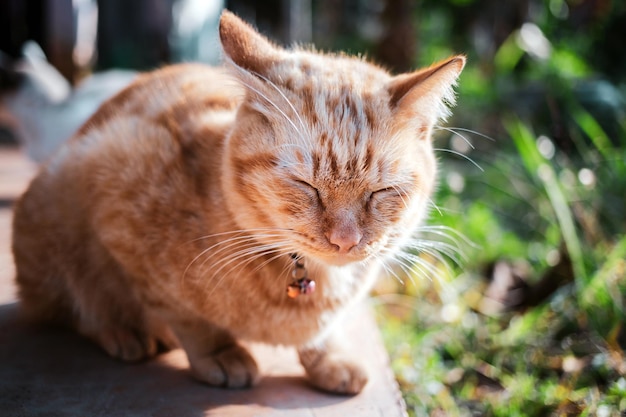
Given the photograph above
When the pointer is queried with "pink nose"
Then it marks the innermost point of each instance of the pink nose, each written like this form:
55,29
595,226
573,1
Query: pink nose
344,239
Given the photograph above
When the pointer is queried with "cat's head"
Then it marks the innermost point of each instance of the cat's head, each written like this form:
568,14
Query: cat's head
330,157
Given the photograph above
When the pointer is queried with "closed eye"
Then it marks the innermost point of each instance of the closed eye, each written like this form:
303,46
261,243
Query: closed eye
383,191
386,190
308,188
387,193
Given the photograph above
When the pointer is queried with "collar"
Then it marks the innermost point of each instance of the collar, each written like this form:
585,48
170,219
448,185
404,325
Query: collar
300,283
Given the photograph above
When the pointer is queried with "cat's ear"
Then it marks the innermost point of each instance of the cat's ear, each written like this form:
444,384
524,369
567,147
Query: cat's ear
244,46
424,96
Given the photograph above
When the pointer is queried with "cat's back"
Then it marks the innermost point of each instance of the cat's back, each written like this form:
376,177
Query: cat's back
174,114
161,136
179,97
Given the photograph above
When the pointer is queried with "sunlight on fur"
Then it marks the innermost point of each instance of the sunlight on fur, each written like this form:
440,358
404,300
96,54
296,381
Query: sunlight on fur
180,212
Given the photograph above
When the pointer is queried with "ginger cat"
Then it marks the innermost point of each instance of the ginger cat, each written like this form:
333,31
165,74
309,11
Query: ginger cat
204,206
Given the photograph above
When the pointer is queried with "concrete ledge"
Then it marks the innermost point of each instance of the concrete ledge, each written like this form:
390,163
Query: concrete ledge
53,372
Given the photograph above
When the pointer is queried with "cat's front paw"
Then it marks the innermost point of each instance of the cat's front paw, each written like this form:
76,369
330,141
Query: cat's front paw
337,374
231,367
125,344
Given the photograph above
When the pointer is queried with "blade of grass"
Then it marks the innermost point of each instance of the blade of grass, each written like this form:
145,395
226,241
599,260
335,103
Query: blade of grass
598,287
592,128
538,167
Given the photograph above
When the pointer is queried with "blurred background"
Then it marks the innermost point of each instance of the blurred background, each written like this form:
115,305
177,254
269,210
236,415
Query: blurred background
519,309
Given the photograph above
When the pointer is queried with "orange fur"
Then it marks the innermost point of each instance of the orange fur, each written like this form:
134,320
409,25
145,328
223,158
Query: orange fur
171,215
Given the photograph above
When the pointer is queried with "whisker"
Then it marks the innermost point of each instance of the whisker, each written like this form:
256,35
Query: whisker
438,255
239,231
440,247
273,258
234,240
434,205
245,256
388,270
400,192
426,269
447,231
248,85
224,245
462,155
242,253
284,97
280,252
408,265
474,132
241,249
454,132
415,261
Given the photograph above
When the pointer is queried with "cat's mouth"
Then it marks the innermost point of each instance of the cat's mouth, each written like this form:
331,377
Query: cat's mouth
332,257
342,259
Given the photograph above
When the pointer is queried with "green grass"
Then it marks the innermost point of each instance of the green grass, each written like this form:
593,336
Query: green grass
552,187
564,357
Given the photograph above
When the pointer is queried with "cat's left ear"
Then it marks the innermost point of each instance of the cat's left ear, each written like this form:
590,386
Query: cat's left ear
424,96
246,47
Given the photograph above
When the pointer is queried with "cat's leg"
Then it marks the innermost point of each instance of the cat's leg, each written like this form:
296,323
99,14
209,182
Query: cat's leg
214,355
330,368
106,314
126,340
76,283
111,310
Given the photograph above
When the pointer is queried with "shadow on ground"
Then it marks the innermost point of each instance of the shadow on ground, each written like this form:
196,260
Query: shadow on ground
52,371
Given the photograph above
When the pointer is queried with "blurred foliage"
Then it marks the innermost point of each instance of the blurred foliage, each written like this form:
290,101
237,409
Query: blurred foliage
533,172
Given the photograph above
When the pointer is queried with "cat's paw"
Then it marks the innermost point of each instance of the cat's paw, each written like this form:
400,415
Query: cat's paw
337,374
126,344
231,367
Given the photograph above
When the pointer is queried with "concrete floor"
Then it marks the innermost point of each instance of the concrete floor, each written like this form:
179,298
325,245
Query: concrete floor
53,372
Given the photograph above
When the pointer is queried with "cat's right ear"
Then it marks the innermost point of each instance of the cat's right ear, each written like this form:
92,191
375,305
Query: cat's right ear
244,46
424,96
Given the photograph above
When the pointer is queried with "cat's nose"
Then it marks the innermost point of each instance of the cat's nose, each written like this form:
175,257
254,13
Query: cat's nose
344,238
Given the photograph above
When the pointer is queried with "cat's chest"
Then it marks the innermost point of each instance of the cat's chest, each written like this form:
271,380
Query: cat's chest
274,317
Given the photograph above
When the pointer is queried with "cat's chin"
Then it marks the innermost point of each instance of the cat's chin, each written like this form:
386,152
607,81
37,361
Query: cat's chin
342,259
